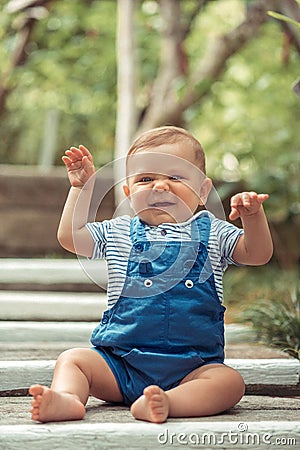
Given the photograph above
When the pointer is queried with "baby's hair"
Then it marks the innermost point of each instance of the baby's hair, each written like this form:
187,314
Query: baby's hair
169,135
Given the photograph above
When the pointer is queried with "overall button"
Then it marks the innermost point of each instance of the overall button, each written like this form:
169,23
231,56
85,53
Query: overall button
189,284
148,283
104,320
163,232
139,247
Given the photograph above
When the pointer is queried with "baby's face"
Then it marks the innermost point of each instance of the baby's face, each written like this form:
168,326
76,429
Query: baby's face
164,184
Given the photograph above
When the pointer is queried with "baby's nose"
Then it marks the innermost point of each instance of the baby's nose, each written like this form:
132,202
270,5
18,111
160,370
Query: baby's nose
161,185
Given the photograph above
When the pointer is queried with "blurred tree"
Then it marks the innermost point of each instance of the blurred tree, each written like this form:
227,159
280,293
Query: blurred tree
221,68
165,105
70,63
70,66
30,12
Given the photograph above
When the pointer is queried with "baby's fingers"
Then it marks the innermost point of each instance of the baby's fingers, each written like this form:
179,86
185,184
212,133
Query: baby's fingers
66,161
246,203
247,199
74,153
75,157
234,214
85,152
242,199
262,197
253,197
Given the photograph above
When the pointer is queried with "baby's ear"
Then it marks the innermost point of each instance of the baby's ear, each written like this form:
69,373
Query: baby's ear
205,190
126,190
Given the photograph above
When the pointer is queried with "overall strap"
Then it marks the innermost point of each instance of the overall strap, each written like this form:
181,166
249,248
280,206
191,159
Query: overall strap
204,224
137,230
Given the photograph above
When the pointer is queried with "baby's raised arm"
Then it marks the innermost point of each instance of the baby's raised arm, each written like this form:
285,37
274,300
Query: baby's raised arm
72,233
255,246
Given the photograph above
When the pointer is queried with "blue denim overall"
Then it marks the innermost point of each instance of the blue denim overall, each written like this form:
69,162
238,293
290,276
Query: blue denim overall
168,320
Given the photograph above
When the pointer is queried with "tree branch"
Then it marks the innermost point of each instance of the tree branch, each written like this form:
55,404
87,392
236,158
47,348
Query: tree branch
214,61
30,13
165,106
289,8
171,39
191,19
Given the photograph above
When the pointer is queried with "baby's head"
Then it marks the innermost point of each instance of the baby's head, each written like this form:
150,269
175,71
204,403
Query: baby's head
166,179
151,139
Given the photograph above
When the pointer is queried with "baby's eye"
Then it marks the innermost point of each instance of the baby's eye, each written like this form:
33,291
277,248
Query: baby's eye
175,177
145,180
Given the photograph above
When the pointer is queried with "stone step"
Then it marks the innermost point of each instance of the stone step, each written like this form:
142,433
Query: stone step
66,329
21,340
15,411
255,435
48,332
52,271
19,375
76,306
49,306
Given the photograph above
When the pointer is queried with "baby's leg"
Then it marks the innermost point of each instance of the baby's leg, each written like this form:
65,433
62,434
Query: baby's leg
77,373
206,391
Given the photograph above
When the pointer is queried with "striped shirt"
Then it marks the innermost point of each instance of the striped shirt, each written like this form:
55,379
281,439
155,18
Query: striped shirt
112,243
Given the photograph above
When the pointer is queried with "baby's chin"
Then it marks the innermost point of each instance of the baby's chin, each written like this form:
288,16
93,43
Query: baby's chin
157,216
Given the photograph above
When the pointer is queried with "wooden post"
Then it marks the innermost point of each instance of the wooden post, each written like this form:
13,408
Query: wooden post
126,110
47,155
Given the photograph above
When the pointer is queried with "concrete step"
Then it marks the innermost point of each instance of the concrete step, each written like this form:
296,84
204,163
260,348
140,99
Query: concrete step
255,435
21,340
64,306
76,306
19,332
256,422
66,329
15,411
19,375
14,271
49,306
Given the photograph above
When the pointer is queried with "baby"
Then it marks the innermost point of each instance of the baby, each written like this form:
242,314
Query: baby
159,347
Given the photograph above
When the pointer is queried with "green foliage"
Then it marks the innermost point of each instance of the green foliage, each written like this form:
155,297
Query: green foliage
247,285
277,320
248,123
70,67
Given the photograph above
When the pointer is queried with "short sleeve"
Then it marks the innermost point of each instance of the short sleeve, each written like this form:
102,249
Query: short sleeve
109,236
99,232
227,236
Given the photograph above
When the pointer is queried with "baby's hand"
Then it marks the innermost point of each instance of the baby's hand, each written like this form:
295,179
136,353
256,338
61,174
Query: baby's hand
79,164
246,204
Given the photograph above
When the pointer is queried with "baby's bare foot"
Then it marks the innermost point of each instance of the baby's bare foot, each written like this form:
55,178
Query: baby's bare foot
153,406
52,406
